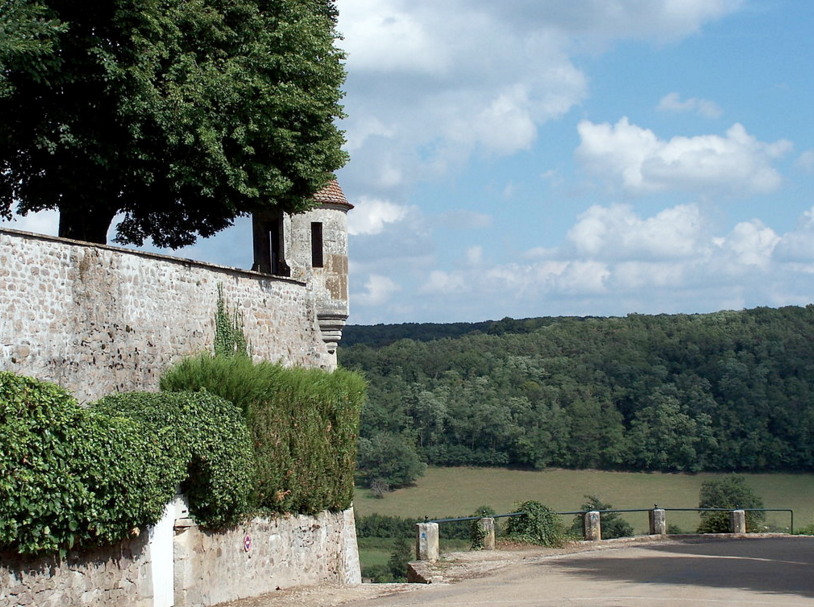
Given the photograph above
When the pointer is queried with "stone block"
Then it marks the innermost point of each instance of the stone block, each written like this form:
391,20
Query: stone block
658,522
591,527
427,542
737,520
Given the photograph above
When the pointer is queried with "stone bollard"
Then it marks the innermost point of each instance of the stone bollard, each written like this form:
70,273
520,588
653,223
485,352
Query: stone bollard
487,528
591,526
426,542
658,522
737,521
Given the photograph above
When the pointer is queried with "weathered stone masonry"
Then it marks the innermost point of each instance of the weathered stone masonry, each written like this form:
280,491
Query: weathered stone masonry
209,568
99,319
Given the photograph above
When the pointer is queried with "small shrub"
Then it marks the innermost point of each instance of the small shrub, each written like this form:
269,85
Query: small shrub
401,555
538,524
674,530
611,523
379,488
378,574
728,492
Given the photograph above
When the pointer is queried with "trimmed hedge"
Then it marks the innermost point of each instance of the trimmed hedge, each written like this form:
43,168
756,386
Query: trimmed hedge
71,476
304,425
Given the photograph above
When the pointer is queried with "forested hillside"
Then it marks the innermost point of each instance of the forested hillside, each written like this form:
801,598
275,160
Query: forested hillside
724,391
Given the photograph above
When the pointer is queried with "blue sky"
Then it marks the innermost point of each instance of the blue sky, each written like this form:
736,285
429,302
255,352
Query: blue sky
571,157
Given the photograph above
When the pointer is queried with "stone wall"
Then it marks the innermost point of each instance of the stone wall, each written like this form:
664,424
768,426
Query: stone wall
209,568
117,576
263,556
98,319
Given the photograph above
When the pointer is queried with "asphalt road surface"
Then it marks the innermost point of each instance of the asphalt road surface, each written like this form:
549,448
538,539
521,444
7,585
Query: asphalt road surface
776,572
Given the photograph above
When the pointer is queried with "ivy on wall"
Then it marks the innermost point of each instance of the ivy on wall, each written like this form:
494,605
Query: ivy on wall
71,476
230,339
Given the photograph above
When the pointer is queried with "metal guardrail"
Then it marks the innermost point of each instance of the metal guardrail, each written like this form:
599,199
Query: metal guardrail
620,510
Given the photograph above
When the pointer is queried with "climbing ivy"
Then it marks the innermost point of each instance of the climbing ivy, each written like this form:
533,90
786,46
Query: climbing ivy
71,476
538,524
230,339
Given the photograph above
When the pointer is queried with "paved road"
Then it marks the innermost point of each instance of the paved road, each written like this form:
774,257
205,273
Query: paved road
777,572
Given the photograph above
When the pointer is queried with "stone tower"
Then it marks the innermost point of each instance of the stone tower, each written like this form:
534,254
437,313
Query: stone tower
311,247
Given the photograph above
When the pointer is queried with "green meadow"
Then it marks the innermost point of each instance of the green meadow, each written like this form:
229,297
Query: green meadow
448,492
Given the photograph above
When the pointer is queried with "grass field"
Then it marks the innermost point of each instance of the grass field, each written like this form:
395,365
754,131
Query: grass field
450,492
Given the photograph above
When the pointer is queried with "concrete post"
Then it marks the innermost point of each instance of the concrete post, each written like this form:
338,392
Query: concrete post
487,527
426,542
658,522
591,526
737,520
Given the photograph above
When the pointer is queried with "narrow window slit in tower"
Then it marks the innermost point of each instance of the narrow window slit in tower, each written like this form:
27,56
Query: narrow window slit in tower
316,244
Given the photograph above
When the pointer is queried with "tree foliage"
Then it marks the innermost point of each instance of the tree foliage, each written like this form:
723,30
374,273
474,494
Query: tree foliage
178,115
27,41
389,458
724,391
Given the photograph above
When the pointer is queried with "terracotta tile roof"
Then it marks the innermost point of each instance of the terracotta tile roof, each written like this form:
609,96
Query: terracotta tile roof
332,194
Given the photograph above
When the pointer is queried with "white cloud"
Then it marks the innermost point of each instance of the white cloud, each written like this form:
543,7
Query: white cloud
805,161
637,160
672,103
441,282
748,246
617,232
474,256
616,260
462,219
370,216
797,246
378,290
388,36
432,83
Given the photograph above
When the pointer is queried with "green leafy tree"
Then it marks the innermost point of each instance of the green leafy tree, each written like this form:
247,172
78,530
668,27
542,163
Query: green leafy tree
27,41
389,458
728,492
179,116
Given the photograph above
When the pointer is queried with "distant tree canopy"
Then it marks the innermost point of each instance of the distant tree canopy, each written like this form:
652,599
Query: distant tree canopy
719,392
179,115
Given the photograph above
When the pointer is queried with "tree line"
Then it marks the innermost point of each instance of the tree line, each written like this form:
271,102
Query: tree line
728,391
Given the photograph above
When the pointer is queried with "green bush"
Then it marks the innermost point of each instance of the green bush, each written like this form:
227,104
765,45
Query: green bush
204,446
47,467
728,492
611,524
538,524
304,425
71,476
